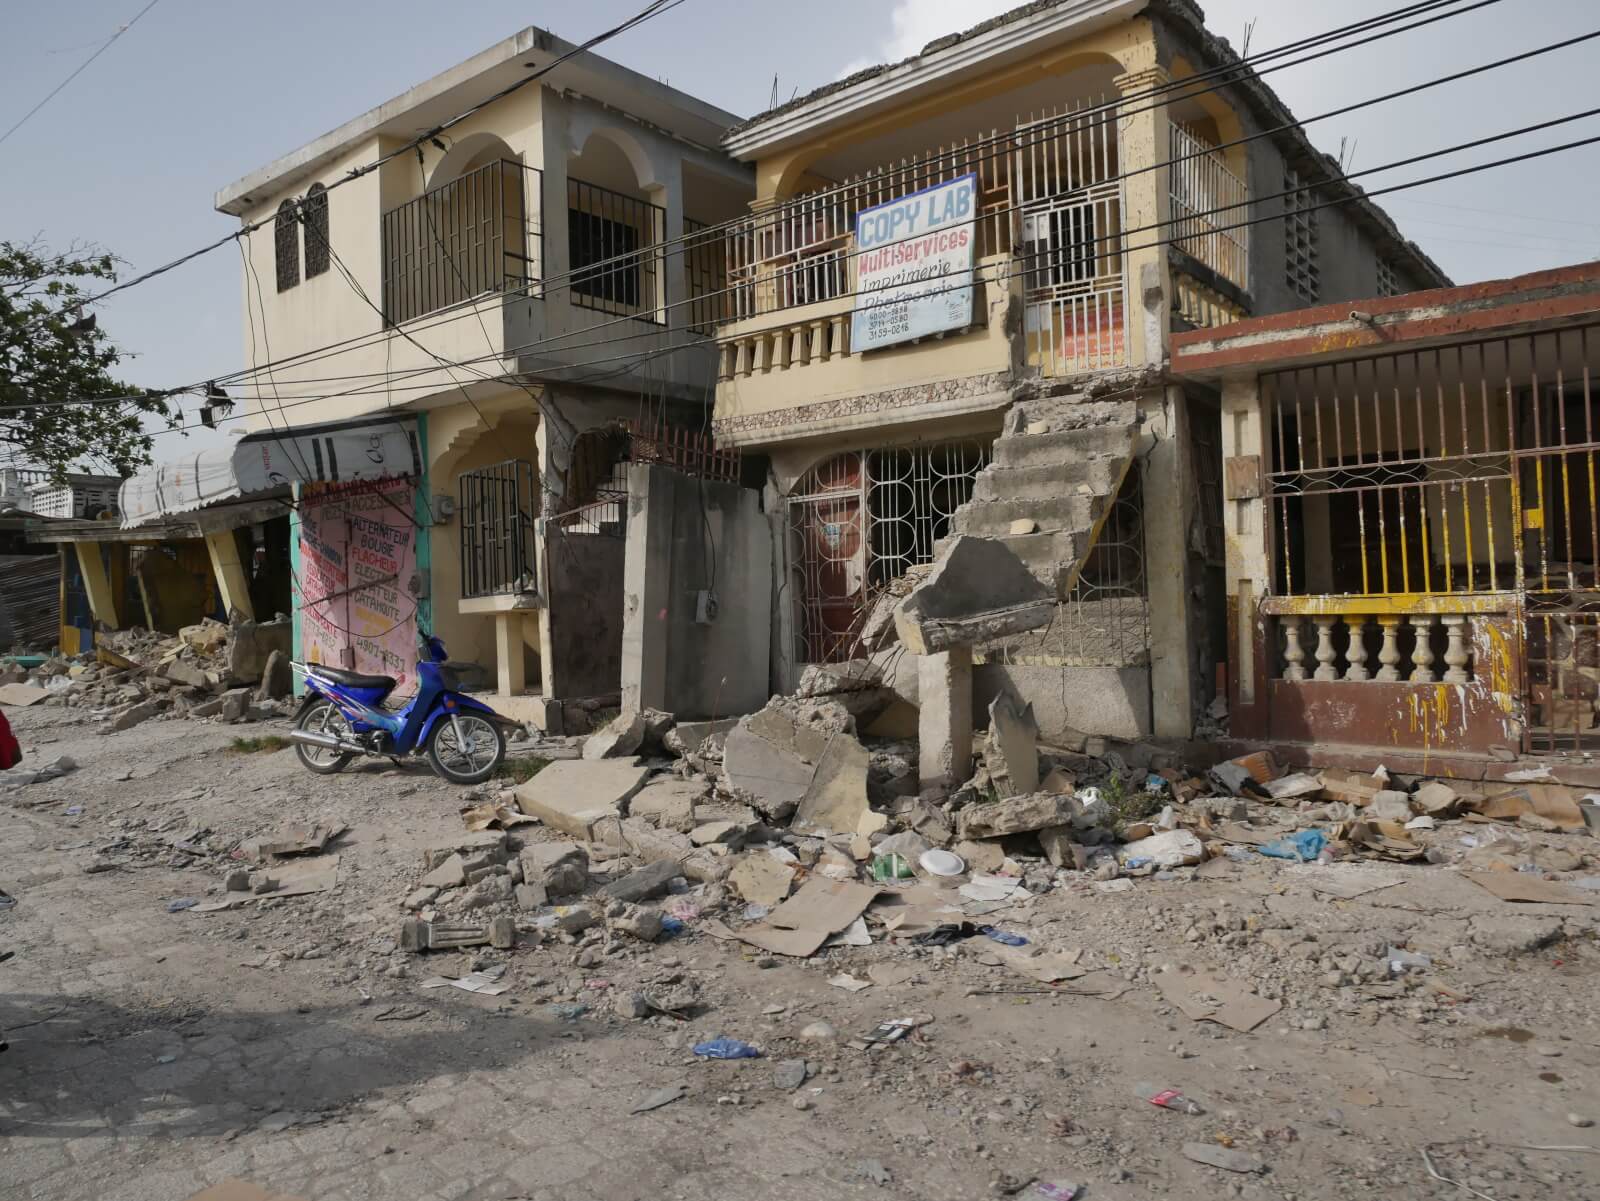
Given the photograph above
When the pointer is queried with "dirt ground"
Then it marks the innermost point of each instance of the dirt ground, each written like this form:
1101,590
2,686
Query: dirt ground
155,1052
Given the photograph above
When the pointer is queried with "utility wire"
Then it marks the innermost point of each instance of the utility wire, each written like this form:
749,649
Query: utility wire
545,286
1245,67
82,67
1027,266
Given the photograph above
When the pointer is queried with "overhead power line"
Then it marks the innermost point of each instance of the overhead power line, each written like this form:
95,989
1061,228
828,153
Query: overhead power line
547,286
82,67
1023,266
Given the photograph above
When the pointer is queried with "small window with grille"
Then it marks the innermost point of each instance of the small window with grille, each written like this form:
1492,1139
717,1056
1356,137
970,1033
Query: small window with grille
314,212
1301,271
286,245
1388,280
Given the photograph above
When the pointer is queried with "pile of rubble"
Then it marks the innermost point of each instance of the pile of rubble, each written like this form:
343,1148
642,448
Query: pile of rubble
789,832
233,672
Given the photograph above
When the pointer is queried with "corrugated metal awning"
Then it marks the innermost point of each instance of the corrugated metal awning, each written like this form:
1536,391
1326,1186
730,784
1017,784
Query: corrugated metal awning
269,461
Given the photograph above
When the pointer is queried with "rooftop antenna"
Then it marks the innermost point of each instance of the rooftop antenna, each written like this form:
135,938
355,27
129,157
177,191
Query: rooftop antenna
1346,160
1249,32
772,101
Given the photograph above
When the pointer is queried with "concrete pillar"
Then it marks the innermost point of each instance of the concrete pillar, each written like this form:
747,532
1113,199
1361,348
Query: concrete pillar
1143,139
1169,503
232,582
97,583
1248,567
508,657
944,722
646,579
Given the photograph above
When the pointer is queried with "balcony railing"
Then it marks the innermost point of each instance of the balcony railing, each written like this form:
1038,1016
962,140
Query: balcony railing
614,247
1199,186
479,234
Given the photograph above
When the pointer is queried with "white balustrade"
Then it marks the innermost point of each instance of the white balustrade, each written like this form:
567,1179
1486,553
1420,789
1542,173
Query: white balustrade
1406,652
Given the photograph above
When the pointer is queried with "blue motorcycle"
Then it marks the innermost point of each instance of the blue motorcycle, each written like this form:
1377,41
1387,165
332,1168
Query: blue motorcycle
344,715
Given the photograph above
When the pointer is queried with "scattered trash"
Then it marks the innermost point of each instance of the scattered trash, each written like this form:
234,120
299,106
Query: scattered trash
943,936
1010,940
889,1032
1168,1098
487,982
671,927
659,1097
848,982
1400,962
182,903
726,1048
569,1012
1303,846
1225,1158
1054,1190
891,867
939,862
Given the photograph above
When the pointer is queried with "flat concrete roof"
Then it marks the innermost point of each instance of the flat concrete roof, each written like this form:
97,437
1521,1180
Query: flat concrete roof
452,92
1553,299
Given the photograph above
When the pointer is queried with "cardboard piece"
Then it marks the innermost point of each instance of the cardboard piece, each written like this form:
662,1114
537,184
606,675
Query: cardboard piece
800,925
1047,967
21,695
1206,998
1292,787
1552,802
1529,889
487,982
234,1189
761,879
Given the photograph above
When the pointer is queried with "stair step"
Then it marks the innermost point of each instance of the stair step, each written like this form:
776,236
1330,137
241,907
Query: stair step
1064,446
993,518
1002,481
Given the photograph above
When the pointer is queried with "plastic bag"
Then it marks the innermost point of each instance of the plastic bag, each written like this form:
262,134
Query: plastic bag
1303,845
726,1048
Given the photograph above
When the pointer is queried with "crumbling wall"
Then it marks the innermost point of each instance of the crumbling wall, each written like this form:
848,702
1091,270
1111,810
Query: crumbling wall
688,537
1069,702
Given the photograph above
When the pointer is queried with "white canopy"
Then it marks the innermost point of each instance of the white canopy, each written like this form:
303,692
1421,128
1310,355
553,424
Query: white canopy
269,461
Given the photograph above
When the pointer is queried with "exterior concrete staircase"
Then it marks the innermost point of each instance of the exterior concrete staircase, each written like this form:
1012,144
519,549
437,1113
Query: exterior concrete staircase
1052,481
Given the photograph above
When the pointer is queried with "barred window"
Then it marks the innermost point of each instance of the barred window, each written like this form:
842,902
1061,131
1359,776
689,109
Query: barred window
1301,271
314,212
286,245
1388,280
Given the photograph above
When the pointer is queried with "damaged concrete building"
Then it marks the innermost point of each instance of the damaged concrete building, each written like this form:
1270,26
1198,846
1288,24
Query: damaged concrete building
1413,526
1080,203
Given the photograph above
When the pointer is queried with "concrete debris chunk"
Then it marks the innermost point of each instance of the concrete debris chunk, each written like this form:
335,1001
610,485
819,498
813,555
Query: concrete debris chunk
643,841
577,796
690,737
668,802
802,758
452,873
560,868
1011,751
978,590
1015,815
235,704
623,736
637,921
135,714
761,879
649,881
251,643
277,678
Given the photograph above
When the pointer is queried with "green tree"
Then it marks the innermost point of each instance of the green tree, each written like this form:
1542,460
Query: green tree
53,358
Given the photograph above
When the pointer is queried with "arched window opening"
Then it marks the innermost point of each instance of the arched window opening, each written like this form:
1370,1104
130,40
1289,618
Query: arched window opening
286,246
314,212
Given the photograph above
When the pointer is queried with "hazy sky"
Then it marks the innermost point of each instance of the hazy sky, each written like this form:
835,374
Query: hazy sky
200,92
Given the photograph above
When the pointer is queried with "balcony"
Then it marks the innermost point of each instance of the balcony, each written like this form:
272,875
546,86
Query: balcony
1206,199
477,235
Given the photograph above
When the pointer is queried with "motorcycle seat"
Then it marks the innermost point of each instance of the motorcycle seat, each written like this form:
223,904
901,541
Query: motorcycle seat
353,679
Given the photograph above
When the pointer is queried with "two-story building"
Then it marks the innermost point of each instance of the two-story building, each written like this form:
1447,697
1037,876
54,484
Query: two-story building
950,312
455,344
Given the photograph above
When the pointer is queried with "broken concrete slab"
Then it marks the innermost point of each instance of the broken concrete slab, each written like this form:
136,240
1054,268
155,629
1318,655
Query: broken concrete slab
1062,848
623,736
452,873
251,643
761,879
643,841
135,714
480,846
836,802
729,833
647,882
690,737
981,856
576,796
235,704
794,752
668,802
185,671
277,678
977,590
560,868
1011,752
1016,815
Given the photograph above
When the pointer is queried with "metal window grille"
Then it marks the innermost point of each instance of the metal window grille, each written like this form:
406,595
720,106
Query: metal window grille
497,507
314,213
613,245
1200,184
1457,482
1301,270
286,245
476,235
861,519
705,275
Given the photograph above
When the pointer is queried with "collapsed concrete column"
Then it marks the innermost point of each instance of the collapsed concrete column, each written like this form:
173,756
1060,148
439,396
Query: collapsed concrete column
232,583
97,584
944,723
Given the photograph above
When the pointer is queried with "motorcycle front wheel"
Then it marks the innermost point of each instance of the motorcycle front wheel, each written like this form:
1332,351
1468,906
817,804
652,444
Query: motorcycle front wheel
466,748
323,718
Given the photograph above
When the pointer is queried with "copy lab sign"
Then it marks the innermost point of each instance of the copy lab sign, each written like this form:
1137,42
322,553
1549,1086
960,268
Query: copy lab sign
914,265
